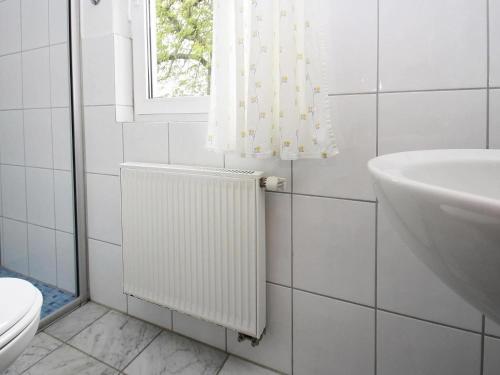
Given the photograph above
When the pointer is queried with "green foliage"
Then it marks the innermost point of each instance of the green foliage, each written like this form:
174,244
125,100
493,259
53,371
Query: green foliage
184,46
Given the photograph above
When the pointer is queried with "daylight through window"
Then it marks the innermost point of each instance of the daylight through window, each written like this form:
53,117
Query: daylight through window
180,44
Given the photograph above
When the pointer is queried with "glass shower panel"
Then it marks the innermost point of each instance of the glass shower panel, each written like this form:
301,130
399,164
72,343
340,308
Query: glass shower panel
37,215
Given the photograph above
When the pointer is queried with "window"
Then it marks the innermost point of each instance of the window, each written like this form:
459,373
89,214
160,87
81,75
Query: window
172,56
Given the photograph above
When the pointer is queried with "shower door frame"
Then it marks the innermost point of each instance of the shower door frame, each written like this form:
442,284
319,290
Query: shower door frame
74,44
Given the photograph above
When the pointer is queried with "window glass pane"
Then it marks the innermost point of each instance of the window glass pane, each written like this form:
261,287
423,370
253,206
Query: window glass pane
181,47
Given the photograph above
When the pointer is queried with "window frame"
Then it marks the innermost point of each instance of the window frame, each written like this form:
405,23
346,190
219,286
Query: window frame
145,106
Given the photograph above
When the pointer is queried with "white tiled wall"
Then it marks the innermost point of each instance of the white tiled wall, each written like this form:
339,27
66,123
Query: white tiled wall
345,295
35,141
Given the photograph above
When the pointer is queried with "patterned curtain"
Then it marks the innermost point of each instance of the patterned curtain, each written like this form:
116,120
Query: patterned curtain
268,86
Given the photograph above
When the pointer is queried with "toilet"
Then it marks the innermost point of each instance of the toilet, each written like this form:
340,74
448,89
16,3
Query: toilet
20,305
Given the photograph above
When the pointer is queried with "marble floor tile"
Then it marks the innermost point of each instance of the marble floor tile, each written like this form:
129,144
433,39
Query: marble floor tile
115,338
73,323
171,354
69,361
41,345
237,366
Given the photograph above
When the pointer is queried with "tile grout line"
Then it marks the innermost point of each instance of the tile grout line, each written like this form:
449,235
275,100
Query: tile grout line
143,349
81,330
222,365
52,147
446,325
45,356
21,51
24,146
483,318
377,112
36,225
291,272
34,167
488,74
481,365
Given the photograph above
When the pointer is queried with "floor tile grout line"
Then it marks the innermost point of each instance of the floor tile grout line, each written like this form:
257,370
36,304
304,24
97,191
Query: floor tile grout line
45,356
223,364
143,349
81,330
91,356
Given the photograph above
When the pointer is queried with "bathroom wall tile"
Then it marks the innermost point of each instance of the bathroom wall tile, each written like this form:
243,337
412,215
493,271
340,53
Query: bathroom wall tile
11,82
58,21
144,142
66,261
15,246
13,192
59,75
427,120
35,23
11,137
494,12
36,78
96,21
107,18
334,247
271,167
38,138
409,346
352,61
330,334
61,138
103,140
345,175
10,24
104,208
187,146
123,70
63,196
495,118
199,330
98,71
432,44
407,286
278,238
42,254
106,287
161,316
492,328
40,196
491,357
275,347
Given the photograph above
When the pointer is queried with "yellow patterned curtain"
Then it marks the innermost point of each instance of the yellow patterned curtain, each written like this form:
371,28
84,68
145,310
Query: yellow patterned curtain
269,95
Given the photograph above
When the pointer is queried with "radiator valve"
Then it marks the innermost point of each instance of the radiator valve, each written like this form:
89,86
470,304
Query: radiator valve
273,183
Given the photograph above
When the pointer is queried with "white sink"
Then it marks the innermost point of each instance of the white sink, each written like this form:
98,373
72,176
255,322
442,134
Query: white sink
446,206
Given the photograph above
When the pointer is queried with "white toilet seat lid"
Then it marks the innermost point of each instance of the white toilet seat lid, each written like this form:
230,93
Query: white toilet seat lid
17,298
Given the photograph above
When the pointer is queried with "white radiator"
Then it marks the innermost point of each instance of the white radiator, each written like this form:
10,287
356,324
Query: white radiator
194,241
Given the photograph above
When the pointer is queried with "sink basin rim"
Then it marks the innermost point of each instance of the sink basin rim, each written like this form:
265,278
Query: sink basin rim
390,167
